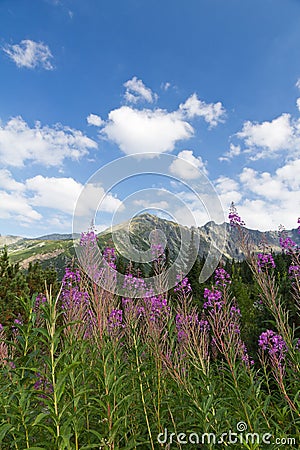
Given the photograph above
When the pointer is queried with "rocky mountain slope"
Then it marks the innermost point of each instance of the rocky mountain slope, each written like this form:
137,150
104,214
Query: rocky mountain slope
57,249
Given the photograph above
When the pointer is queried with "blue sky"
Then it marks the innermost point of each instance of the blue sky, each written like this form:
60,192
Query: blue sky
83,83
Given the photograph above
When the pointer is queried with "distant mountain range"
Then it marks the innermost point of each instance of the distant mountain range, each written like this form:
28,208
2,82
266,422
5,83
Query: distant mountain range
57,249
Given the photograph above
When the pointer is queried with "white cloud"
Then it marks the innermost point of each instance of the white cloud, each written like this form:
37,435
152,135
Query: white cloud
30,54
148,204
95,120
8,183
187,166
298,103
234,150
165,86
15,206
263,184
298,83
228,191
212,113
267,139
55,193
41,144
144,131
264,200
289,174
137,91
62,194
226,184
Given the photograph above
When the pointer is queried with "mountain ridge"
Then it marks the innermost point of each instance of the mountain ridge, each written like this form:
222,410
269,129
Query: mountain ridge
57,248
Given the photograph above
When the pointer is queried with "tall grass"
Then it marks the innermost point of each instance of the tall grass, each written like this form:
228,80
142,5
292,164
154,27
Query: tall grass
86,369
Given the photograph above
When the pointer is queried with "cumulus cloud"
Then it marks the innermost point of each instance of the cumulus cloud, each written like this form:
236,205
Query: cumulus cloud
144,131
268,139
298,83
41,144
95,120
228,191
52,199
62,194
8,183
188,166
16,206
136,91
30,54
212,113
265,200
55,193
298,103
141,131
234,150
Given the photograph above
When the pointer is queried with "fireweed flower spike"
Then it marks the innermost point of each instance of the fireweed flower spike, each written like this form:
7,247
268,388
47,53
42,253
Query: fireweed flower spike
265,261
275,345
234,218
76,305
286,243
182,285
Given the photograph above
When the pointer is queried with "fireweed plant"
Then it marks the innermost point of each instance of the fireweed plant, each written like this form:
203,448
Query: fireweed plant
87,369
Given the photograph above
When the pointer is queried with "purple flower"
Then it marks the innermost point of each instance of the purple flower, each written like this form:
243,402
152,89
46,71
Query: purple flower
115,319
109,254
76,304
234,218
265,260
182,285
157,250
286,243
88,239
157,306
18,322
71,277
222,278
274,344
294,271
213,299
234,311
245,355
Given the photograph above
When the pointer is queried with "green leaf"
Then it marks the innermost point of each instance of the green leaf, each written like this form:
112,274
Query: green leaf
4,428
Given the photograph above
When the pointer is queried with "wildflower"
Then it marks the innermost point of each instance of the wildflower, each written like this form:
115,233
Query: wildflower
213,299
265,260
88,239
286,243
222,278
294,271
234,218
156,306
182,285
245,355
109,254
71,277
18,322
76,304
115,319
274,344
